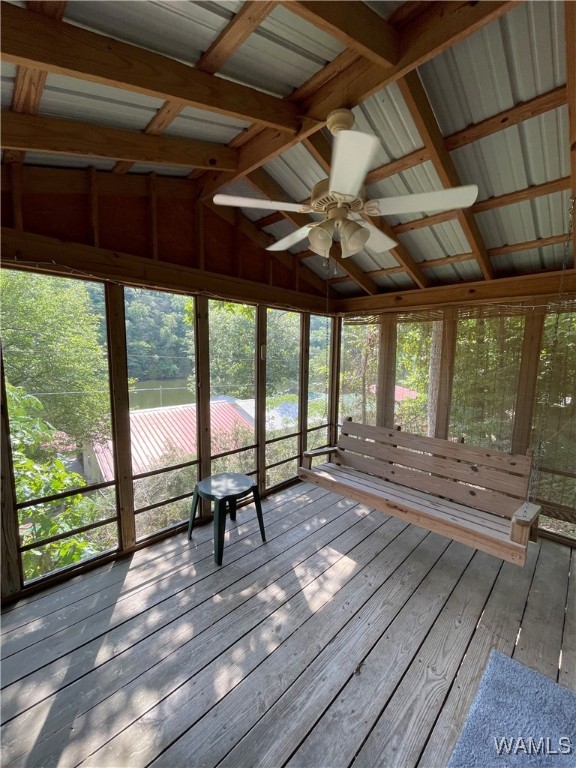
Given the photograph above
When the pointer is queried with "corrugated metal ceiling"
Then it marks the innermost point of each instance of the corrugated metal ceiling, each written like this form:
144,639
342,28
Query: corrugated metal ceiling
509,61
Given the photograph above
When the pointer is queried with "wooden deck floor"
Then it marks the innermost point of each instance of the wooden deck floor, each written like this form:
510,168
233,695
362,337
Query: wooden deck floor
348,638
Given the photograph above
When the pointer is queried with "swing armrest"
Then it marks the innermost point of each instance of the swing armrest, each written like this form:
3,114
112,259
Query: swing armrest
522,521
307,456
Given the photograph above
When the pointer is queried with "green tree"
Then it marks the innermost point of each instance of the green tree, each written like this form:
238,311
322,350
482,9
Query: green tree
156,334
52,350
40,472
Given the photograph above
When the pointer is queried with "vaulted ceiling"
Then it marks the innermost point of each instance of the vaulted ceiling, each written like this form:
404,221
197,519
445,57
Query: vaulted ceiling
233,97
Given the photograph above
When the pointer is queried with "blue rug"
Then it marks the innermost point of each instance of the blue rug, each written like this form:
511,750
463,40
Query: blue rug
519,719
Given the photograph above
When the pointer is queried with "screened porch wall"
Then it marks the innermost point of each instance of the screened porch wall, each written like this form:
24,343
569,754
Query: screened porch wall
233,387
502,377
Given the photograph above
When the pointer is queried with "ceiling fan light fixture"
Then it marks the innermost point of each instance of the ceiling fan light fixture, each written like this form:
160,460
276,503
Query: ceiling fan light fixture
320,237
353,238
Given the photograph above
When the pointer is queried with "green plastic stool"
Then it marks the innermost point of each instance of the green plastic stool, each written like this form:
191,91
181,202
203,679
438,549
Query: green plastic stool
225,490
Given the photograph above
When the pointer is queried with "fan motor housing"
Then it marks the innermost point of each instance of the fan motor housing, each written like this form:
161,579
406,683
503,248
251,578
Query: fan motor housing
322,199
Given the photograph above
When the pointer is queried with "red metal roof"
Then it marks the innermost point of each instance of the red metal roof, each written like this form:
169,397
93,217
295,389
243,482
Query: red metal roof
158,432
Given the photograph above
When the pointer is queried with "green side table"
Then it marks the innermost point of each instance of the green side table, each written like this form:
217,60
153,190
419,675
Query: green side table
225,490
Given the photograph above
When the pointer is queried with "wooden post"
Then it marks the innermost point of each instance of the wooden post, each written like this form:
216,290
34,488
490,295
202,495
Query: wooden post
16,189
527,379
334,390
304,382
93,202
153,208
120,414
446,373
201,332
12,576
260,415
386,372
199,234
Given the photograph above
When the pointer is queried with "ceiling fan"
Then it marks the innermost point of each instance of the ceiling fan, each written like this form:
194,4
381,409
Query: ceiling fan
341,199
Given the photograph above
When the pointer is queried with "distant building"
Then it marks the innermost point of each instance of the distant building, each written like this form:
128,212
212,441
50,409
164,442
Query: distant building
157,432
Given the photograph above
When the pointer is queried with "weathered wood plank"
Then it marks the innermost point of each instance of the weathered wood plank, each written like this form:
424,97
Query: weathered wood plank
476,474
93,623
567,674
497,629
490,541
192,641
335,737
320,646
518,463
410,714
65,607
540,638
189,697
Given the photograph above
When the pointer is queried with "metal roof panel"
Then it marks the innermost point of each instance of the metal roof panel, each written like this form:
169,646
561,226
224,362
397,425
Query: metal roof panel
511,60
70,97
175,28
68,161
202,125
282,53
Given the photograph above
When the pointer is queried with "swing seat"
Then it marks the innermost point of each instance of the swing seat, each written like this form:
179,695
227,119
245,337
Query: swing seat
472,495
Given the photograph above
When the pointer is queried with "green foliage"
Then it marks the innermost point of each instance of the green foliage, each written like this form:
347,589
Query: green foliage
485,380
52,350
359,372
41,472
156,335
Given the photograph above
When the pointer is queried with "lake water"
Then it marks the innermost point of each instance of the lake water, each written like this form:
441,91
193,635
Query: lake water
156,393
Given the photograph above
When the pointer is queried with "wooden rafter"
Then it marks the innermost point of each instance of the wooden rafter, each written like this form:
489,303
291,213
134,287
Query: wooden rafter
23,250
354,24
522,288
241,26
30,40
444,25
417,102
508,117
570,22
509,198
71,137
441,26
29,82
263,239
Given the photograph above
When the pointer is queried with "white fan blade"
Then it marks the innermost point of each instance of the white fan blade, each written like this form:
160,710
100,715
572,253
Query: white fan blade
443,200
290,240
352,156
253,202
378,241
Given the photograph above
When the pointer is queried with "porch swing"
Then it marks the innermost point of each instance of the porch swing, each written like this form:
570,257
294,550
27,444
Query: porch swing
475,495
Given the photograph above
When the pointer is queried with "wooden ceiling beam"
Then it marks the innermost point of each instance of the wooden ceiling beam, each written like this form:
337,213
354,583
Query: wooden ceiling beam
443,24
570,24
507,118
523,288
354,24
22,250
29,83
509,198
401,253
70,137
241,26
417,101
439,27
541,242
28,39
